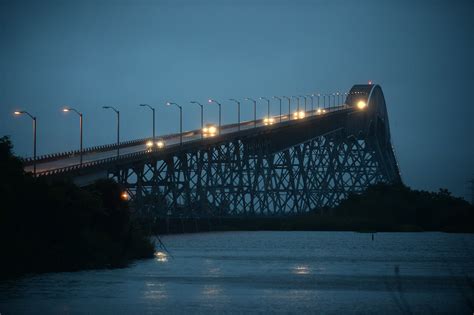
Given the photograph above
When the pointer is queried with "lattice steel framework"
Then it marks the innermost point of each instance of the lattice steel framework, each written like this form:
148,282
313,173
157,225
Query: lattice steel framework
253,176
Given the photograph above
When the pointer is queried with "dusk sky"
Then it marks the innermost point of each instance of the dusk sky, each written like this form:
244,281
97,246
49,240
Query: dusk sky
87,54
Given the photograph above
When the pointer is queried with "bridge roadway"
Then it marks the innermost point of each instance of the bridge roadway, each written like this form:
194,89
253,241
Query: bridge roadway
172,141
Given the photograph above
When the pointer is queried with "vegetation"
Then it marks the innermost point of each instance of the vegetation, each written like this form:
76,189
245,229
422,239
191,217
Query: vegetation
60,227
381,207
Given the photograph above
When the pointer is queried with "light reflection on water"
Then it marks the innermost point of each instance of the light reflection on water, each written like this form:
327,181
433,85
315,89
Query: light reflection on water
161,256
267,272
301,270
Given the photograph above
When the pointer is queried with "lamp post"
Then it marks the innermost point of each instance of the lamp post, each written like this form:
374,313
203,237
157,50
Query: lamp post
153,111
289,106
21,112
238,111
319,96
202,116
279,99
312,102
180,121
220,111
304,102
254,110
268,105
68,109
298,103
118,126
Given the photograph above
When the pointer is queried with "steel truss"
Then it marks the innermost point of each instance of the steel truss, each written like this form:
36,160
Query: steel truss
242,178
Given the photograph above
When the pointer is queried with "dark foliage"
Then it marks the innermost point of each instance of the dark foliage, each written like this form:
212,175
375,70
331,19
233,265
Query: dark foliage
398,207
380,208
61,227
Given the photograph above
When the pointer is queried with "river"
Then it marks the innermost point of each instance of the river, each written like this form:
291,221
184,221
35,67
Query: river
267,272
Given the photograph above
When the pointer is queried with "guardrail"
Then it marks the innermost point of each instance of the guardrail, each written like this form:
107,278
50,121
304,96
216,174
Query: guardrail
52,157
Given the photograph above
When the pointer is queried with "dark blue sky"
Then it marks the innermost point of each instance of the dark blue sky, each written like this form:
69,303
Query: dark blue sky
92,53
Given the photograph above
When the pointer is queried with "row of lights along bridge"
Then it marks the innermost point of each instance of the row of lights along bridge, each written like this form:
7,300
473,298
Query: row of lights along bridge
211,129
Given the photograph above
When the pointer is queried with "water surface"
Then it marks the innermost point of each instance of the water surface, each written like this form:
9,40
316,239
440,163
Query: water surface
262,272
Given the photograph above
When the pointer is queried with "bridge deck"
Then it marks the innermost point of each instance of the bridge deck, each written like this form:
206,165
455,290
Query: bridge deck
45,166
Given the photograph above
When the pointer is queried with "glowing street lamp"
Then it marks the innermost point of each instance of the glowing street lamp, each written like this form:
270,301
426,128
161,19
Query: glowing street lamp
202,116
268,105
180,121
279,99
69,109
153,111
304,102
21,112
254,110
118,126
238,111
219,104
297,103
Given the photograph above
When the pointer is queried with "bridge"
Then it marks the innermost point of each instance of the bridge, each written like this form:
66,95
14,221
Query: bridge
290,164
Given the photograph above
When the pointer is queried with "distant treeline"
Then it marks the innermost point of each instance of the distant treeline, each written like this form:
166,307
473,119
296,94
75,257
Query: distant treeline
381,207
61,227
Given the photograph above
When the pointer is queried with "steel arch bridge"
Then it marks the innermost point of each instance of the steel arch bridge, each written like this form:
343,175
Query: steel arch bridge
290,167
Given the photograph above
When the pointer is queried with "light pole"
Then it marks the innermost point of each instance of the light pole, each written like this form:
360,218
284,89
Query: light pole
202,116
312,103
319,96
220,111
268,105
298,103
289,106
279,99
180,121
68,109
304,102
153,110
254,110
238,111
21,112
118,126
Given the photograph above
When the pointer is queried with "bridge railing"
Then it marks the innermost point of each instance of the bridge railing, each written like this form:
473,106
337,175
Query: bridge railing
110,147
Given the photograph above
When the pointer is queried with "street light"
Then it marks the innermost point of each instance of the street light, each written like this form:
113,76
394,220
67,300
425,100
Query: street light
21,112
202,116
219,104
153,110
312,102
289,106
268,105
278,98
304,102
238,111
180,121
118,126
254,110
68,109
298,103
